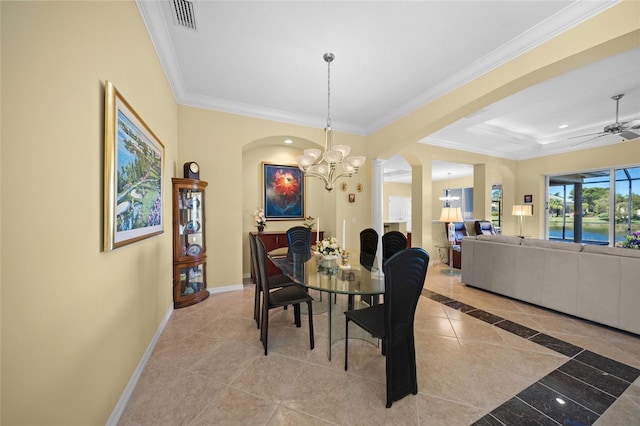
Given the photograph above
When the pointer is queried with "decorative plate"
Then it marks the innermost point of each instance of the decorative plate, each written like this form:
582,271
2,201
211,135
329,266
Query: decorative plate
192,227
194,250
193,203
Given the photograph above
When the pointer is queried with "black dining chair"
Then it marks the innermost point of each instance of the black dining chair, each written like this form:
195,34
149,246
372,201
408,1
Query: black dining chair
368,251
392,321
368,247
290,295
273,281
299,242
392,242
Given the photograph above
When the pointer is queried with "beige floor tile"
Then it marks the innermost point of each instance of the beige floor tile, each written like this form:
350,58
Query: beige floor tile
286,417
208,366
443,412
234,407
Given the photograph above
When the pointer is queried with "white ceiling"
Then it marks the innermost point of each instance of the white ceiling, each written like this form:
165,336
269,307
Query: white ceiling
264,59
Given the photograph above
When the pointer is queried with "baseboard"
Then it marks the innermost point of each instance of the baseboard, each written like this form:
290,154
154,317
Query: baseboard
214,290
114,419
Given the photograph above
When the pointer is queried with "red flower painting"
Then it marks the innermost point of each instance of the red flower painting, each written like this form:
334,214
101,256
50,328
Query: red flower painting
283,192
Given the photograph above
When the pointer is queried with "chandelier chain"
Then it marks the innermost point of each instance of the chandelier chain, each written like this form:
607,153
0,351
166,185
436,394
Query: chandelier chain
329,93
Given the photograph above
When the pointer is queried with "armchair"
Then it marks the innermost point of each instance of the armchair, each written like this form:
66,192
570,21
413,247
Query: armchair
460,231
484,227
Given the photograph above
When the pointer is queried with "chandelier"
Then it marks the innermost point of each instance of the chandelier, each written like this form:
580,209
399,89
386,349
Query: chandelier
333,163
448,198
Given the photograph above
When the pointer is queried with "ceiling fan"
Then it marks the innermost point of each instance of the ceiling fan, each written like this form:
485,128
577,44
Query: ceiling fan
623,129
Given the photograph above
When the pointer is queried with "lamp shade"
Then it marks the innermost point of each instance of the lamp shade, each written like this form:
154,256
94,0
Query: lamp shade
522,210
451,214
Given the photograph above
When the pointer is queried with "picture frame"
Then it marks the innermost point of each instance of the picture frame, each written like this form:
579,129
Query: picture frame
528,199
283,192
133,174
352,198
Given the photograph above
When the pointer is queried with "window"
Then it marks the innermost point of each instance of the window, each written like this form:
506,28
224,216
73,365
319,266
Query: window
582,208
465,201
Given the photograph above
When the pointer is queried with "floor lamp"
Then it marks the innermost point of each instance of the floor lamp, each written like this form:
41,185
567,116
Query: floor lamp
522,210
451,215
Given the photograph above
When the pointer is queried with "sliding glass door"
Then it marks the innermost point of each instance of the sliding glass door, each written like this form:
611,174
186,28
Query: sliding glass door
627,202
582,208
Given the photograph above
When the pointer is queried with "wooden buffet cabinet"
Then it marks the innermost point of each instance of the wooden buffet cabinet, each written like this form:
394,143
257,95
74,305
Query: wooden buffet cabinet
189,243
274,240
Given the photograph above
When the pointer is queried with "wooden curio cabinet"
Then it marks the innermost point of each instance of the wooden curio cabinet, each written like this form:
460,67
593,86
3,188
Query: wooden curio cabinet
189,247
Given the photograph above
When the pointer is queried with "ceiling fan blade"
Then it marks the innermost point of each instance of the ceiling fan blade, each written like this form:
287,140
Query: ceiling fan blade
633,124
587,134
591,139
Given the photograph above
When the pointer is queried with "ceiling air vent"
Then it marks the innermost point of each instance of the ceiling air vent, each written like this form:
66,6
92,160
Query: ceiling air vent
183,14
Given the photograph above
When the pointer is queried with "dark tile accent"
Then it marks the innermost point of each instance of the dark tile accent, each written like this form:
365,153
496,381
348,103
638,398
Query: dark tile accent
556,345
595,377
588,384
548,402
427,293
487,420
516,412
578,391
610,366
485,316
516,328
440,298
462,307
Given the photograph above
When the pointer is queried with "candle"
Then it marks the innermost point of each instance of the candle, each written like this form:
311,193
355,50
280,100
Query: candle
344,232
318,230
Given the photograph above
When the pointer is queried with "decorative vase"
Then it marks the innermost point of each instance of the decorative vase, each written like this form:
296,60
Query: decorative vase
260,229
329,260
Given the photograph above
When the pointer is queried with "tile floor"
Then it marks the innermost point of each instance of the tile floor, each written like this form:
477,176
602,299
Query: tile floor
482,359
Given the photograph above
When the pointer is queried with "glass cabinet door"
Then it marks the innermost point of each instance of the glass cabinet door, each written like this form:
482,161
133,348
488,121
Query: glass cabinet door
192,279
190,226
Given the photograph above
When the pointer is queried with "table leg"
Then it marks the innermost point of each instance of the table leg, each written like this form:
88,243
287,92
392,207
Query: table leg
329,327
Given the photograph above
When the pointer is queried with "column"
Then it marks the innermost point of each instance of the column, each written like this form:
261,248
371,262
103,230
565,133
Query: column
377,202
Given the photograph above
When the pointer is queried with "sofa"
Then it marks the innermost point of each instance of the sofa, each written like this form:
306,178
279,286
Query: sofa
597,283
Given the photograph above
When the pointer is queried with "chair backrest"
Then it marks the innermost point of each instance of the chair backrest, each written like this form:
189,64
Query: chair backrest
368,247
299,242
261,266
392,242
484,227
460,231
254,256
404,276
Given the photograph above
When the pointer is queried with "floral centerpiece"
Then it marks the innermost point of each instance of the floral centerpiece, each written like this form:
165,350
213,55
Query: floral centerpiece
329,248
261,221
632,241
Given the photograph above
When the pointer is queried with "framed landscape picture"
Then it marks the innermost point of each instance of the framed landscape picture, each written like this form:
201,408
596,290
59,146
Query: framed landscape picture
133,165
283,192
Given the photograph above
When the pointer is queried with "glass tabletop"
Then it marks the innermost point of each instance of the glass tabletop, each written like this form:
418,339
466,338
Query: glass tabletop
329,276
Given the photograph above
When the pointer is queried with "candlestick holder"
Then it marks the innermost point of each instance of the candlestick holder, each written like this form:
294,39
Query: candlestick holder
345,260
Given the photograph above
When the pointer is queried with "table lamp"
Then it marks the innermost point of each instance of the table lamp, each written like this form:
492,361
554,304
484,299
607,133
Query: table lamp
451,215
522,210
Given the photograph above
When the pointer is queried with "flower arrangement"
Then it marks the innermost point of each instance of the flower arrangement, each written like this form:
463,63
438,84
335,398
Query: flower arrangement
329,247
258,216
309,222
632,241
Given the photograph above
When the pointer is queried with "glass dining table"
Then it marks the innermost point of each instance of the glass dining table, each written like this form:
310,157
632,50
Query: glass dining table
329,276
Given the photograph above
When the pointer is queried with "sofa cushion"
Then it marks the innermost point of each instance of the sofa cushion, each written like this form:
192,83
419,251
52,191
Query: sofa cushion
558,245
504,239
614,251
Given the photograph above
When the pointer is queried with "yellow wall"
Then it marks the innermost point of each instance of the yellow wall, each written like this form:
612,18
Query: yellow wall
230,150
75,321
